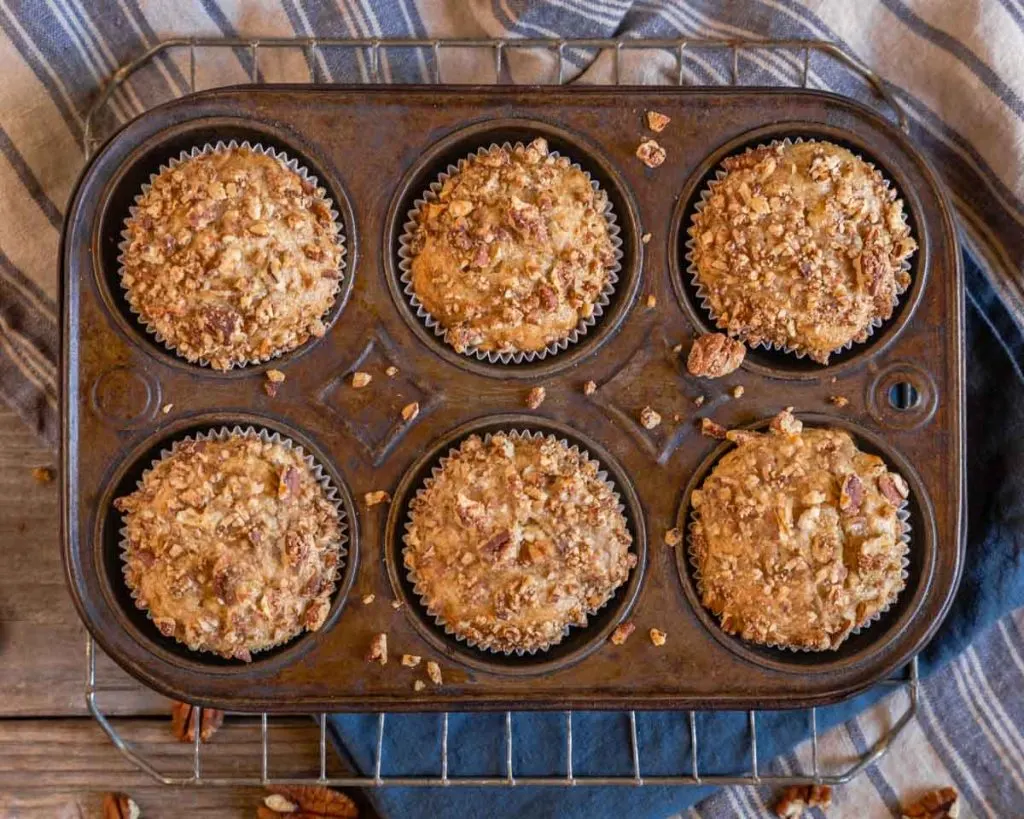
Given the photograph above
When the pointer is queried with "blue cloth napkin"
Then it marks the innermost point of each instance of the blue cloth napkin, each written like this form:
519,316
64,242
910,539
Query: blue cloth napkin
992,585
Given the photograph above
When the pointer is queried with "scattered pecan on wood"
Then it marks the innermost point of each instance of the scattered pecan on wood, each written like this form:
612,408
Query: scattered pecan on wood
306,802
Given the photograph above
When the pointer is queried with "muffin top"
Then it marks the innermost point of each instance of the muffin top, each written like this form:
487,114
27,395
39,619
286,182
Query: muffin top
231,545
231,257
513,252
514,540
796,536
801,246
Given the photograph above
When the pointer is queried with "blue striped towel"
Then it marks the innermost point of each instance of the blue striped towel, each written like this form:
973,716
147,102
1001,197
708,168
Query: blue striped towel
956,67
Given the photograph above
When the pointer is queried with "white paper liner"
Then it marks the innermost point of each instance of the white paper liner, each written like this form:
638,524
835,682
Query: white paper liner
405,258
902,514
319,474
514,434
273,153
691,267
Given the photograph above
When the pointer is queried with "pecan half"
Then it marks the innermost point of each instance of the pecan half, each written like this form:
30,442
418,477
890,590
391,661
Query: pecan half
120,806
183,722
714,355
851,494
796,799
893,486
314,801
621,633
943,803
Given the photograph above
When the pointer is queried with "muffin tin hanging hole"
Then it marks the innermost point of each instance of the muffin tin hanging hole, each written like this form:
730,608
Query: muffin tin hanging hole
777,363
109,562
461,144
873,638
145,161
580,641
902,396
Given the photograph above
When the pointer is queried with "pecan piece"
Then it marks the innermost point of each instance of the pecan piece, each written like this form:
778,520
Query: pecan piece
794,800
120,806
673,537
893,486
434,672
785,423
535,397
43,475
714,355
360,380
657,121
943,803
378,652
650,153
658,637
621,633
410,411
288,485
712,429
376,497
589,388
649,419
316,801
838,401
851,494
742,436
183,722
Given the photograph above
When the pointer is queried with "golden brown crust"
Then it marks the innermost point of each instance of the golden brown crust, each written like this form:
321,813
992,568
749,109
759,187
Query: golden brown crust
231,545
231,257
514,540
794,538
801,246
514,252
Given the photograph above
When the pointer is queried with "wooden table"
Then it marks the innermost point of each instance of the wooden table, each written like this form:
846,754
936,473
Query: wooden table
55,760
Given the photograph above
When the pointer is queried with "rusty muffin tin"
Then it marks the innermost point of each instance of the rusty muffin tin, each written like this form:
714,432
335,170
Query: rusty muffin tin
376,150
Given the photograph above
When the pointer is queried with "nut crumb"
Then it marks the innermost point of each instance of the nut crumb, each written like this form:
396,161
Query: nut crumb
699,401
271,388
677,349
658,637
794,800
943,803
657,121
410,411
43,475
396,604
649,419
411,660
714,355
375,497
361,379
650,153
838,400
535,397
785,422
737,391
378,652
677,417
652,301
673,537
645,238
166,408
391,371
434,672
833,379
621,633
589,388
419,685
712,429
276,376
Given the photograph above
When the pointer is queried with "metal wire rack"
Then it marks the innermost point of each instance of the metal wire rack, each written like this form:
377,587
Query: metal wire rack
559,57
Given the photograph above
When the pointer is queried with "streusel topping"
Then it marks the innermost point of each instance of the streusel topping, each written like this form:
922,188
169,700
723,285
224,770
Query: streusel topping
232,257
796,536
231,545
801,246
514,251
516,539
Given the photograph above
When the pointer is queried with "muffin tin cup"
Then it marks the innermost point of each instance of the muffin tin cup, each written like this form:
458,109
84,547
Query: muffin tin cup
903,515
701,292
321,476
419,591
406,256
206,149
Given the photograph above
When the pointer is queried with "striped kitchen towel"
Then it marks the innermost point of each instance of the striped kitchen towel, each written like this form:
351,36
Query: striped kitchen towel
957,68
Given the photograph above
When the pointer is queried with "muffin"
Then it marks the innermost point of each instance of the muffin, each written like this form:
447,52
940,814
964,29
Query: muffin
796,536
232,545
513,252
801,246
230,257
514,539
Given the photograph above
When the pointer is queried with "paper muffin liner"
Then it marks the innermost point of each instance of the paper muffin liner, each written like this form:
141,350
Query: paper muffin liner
517,435
195,152
319,474
902,515
702,294
405,259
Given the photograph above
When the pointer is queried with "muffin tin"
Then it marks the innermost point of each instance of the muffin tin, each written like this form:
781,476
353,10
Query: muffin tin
376,150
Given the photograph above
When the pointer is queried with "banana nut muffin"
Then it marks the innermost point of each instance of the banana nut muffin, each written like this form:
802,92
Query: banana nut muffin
514,540
231,257
796,536
801,246
514,251
232,545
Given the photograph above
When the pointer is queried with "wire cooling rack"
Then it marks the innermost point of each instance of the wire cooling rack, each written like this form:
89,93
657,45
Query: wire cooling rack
183,64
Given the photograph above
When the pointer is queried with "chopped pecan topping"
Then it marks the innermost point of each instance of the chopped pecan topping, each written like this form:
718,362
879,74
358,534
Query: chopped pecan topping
785,423
714,355
894,487
851,494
